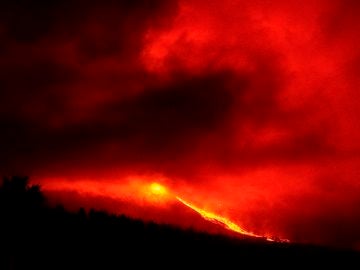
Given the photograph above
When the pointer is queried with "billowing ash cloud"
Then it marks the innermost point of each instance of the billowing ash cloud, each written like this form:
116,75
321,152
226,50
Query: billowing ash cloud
251,104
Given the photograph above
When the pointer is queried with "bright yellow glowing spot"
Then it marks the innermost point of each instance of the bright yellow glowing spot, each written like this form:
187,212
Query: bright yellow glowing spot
157,193
158,189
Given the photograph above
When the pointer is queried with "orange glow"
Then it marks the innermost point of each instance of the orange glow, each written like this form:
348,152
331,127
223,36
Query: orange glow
140,191
136,190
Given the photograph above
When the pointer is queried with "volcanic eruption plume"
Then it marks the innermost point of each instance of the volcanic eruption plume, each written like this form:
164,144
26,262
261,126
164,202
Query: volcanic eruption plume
247,110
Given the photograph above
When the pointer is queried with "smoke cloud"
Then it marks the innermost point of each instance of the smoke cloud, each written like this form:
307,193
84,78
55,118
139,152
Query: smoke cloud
247,108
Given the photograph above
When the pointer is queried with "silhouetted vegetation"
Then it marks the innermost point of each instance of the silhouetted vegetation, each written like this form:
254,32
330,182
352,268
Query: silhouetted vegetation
37,236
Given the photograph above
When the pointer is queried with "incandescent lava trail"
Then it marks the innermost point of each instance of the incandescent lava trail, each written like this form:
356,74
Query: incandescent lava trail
160,190
226,223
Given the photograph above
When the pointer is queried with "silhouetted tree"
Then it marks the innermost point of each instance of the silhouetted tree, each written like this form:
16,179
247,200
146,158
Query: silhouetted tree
18,196
35,197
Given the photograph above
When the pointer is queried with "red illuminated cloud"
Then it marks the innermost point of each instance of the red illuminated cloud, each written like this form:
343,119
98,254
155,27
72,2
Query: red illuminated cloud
249,108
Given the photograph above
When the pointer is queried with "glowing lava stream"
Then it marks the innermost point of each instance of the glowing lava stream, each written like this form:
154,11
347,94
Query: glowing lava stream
221,220
158,189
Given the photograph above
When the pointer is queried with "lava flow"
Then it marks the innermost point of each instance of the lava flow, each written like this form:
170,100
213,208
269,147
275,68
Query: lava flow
226,223
160,190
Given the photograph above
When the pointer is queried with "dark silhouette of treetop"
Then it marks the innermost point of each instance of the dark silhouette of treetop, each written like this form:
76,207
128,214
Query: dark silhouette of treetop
17,194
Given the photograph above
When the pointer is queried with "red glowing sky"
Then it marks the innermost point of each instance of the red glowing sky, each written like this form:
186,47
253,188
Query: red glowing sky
246,108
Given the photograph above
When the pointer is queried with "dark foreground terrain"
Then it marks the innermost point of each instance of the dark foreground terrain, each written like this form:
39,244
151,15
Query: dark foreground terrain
36,236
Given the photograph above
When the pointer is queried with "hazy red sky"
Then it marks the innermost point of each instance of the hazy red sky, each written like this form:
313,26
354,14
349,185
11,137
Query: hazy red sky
246,108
